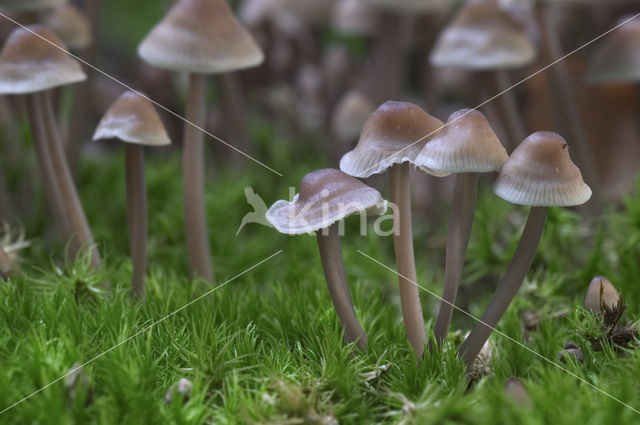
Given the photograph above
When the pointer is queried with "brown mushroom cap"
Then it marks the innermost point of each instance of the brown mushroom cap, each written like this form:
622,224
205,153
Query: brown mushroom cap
610,296
31,5
483,36
200,36
354,17
350,114
31,62
540,172
132,119
395,133
617,59
70,24
326,196
466,145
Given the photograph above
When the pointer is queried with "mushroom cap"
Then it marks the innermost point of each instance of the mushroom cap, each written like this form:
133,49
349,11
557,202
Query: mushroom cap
467,144
411,6
540,172
70,24
617,58
350,114
483,36
395,133
31,5
326,196
200,36
132,119
610,296
34,59
516,390
354,17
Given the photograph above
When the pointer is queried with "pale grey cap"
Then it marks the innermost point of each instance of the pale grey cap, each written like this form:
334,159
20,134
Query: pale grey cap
540,173
394,134
354,17
467,144
34,59
326,197
617,57
132,119
350,114
70,24
200,36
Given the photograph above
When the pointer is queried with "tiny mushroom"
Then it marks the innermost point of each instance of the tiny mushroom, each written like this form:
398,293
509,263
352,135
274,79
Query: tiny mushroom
199,37
354,17
390,140
601,295
466,146
133,120
5,264
348,118
32,5
32,62
71,25
516,391
326,197
539,174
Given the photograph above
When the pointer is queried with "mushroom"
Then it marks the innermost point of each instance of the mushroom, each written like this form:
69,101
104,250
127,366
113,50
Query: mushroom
32,62
31,5
390,140
517,392
70,24
484,38
354,17
349,116
601,295
133,120
466,146
198,37
540,174
326,197
5,263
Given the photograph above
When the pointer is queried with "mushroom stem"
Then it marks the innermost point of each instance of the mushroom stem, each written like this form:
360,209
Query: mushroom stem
233,110
195,219
509,105
82,237
460,222
403,243
137,215
509,285
335,275
6,212
5,263
52,192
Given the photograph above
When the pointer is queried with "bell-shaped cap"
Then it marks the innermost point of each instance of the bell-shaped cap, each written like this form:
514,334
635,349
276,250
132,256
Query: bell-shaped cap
411,7
350,114
31,5
34,59
132,119
467,144
395,133
516,391
483,37
326,196
70,24
617,58
539,172
601,293
354,17
200,36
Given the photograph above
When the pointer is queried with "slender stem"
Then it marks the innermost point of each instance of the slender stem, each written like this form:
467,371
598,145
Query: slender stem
510,110
403,243
137,215
5,264
509,285
460,222
82,237
6,206
48,176
233,110
334,273
568,111
195,217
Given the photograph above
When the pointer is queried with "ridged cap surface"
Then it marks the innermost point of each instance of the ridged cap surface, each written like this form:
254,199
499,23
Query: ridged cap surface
30,62
200,36
467,144
610,296
326,196
395,133
540,172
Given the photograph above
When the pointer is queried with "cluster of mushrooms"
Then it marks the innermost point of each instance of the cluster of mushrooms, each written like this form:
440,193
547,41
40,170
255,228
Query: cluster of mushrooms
401,135
396,138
